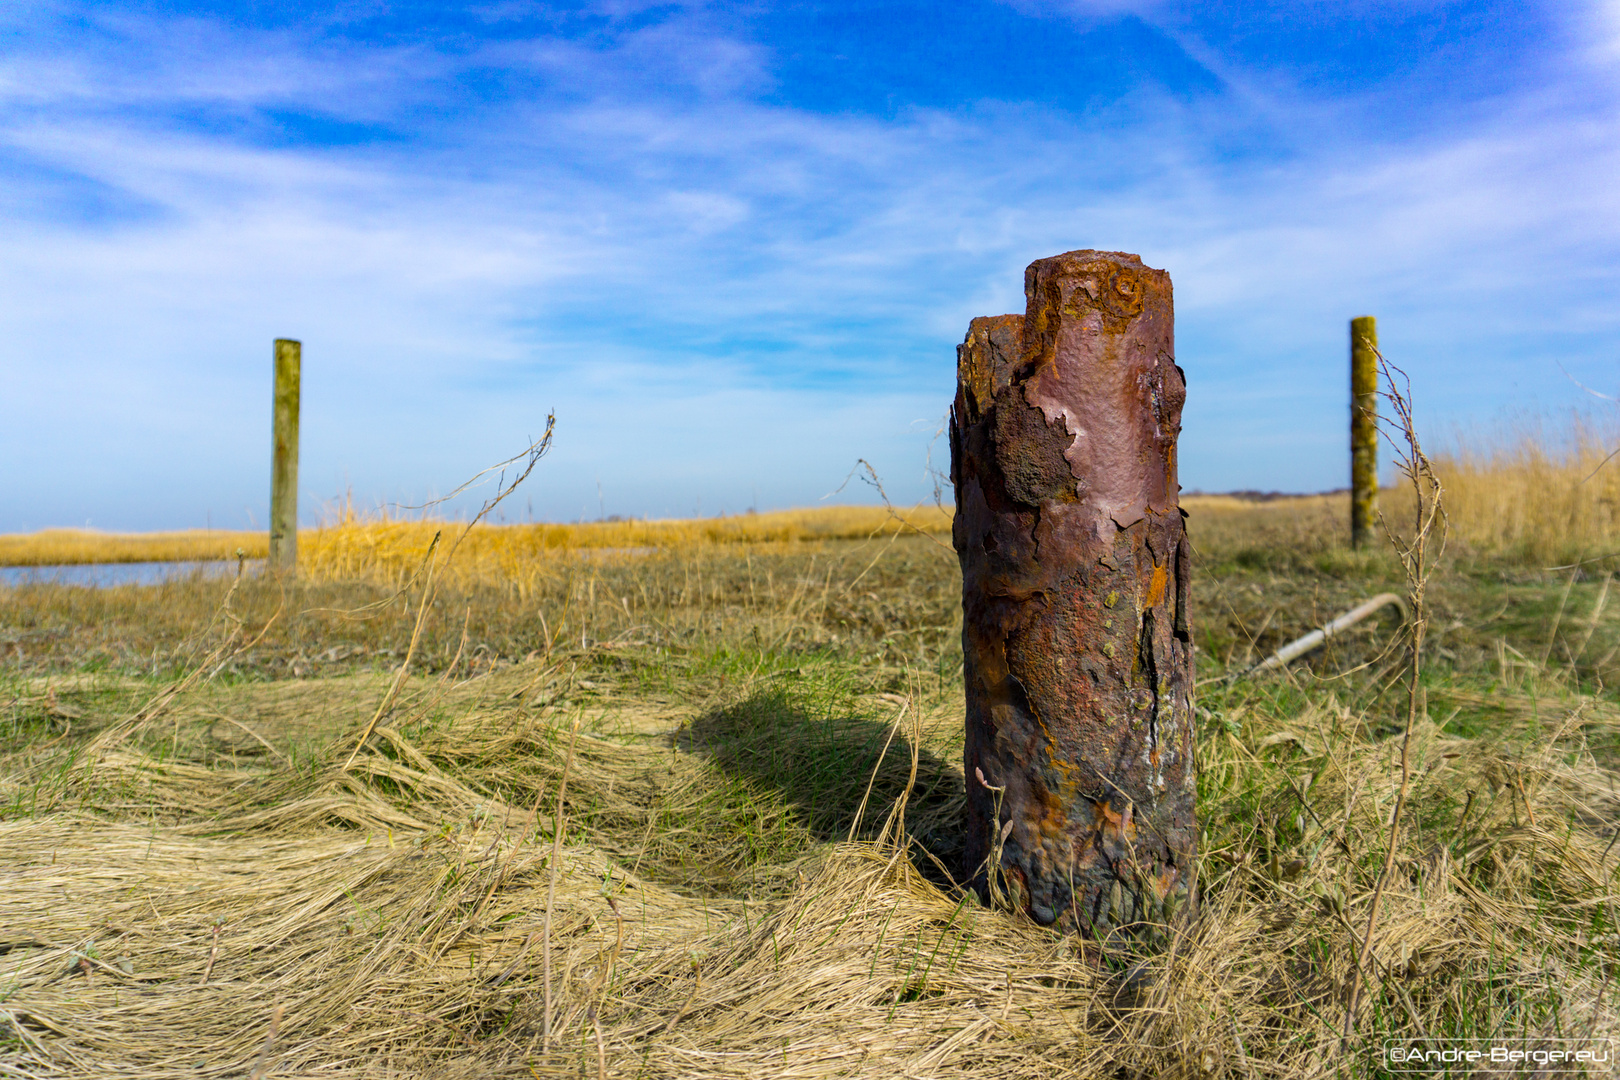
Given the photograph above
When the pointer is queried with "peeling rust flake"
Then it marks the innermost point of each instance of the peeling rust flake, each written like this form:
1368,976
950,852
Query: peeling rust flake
1078,656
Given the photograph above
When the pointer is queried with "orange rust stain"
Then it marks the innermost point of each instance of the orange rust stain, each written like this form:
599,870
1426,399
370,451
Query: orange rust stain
1155,595
1068,773
1109,823
1105,816
1053,823
973,370
1034,712
1163,883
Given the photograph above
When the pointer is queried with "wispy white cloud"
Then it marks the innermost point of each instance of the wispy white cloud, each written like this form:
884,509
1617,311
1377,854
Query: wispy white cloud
1091,9
717,294
1604,26
127,61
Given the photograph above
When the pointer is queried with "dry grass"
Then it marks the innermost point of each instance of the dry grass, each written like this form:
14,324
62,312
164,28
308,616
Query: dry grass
161,904
1504,892
69,547
186,869
1539,496
1537,492
885,600
513,555
1223,526
1265,574
385,548
1540,491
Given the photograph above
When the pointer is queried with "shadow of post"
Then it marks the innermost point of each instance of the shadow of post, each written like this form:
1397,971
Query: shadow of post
821,765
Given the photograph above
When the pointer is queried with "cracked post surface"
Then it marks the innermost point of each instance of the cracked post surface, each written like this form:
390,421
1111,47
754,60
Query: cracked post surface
1077,650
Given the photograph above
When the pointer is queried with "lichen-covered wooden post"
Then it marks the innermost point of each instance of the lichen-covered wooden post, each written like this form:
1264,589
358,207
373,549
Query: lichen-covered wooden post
284,458
1077,651
1363,428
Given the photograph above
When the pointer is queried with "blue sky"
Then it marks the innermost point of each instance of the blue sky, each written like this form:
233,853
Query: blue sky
734,246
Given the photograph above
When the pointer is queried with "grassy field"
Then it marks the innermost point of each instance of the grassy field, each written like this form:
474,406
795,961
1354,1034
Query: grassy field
383,548
681,799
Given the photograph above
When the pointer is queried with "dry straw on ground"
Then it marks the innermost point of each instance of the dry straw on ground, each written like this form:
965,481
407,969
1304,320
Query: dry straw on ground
158,910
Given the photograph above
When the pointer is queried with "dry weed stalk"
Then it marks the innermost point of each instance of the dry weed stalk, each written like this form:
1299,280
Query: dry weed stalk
1417,562
269,1042
405,664
901,523
530,457
860,809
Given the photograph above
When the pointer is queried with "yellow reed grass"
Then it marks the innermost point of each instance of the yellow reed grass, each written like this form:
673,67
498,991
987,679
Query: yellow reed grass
510,555
353,547
66,547
1536,490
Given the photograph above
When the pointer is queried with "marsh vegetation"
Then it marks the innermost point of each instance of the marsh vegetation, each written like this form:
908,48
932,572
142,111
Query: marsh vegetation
685,803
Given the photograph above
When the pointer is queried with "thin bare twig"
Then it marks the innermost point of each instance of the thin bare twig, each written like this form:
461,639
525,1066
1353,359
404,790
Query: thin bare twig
213,953
264,1052
405,664
1417,560
871,478
894,729
533,454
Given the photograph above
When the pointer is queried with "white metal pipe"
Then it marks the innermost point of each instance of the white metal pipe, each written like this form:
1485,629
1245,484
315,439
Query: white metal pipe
1315,638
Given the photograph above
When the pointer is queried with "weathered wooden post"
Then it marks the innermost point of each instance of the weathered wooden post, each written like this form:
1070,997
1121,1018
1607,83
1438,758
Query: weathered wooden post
1078,656
284,458
1363,428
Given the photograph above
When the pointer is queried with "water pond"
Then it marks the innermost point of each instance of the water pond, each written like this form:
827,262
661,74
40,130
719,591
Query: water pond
106,575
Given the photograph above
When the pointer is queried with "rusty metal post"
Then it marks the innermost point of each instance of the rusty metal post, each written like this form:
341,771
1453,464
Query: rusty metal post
1363,428
284,458
1077,652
